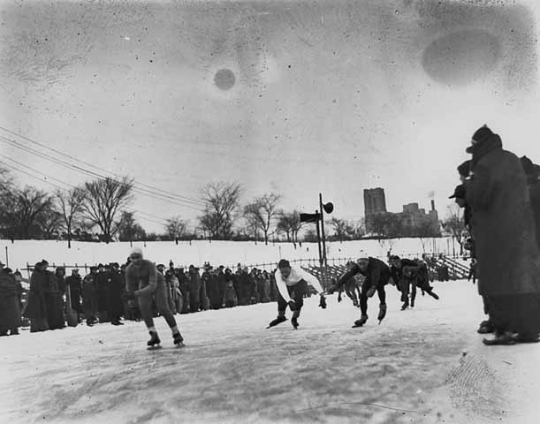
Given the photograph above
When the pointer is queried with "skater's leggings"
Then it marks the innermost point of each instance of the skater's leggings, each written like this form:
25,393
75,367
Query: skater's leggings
296,293
145,305
363,294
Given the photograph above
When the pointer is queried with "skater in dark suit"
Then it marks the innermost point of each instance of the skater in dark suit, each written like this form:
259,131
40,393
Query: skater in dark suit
377,276
292,283
142,283
408,275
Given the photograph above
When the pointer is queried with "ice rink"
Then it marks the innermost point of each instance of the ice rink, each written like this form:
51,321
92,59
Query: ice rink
426,365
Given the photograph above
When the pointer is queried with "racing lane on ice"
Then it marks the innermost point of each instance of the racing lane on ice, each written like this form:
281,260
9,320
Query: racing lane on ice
425,365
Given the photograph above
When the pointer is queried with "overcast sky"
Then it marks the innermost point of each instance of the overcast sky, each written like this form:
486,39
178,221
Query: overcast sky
289,97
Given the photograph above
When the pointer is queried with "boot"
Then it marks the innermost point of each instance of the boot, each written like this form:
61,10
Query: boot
154,339
486,327
361,321
382,312
294,322
277,321
178,340
405,305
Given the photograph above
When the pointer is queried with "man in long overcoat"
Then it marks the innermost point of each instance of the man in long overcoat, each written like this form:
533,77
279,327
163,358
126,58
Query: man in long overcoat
504,233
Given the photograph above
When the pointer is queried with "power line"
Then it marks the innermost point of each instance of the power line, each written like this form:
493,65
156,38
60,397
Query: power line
93,174
70,185
179,196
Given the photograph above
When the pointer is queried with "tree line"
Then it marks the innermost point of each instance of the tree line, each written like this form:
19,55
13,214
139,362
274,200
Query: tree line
99,210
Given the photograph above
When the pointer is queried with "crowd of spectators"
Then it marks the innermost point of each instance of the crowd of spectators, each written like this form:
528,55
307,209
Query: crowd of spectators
55,300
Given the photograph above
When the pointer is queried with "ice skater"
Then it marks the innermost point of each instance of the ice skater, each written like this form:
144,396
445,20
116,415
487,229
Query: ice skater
377,275
141,283
351,288
292,283
410,274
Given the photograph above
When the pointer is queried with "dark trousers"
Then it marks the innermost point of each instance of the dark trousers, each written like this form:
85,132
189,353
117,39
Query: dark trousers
366,285
408,286
145,305
296,293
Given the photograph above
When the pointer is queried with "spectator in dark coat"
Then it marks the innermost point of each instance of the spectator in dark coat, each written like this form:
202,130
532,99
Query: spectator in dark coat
212,288
532,172
504,233
101,280
89,296
10,313
55,302
183,284
74,284
230,298
115,289
194,281
36,306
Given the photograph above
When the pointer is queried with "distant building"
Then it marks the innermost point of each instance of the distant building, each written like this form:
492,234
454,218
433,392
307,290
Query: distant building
411,217
374,203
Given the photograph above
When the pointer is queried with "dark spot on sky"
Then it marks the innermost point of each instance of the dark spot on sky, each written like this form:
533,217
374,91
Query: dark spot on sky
224,79
461,57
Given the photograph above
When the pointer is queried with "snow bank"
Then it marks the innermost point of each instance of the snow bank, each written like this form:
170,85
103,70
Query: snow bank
228,253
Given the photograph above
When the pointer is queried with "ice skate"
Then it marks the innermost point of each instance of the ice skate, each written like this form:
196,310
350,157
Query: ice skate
277,321
432,294
360,322
382,312
294,322
405,306
178,340
501,339
154,342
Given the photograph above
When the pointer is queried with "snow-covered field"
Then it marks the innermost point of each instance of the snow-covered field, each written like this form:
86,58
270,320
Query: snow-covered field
425,365
23,252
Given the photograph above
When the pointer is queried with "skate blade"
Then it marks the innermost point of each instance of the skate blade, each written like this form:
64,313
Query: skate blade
179,345
156,347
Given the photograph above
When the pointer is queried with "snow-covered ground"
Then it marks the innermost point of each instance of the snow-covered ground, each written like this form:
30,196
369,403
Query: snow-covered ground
426,365
23,252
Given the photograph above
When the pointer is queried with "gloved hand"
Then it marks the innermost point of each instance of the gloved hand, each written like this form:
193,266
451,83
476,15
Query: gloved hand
322,303
339,298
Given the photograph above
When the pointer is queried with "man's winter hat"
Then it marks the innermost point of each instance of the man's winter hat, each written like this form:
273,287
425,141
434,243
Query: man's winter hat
160,266
136,251
284,263
459,192
394,258
480,135
465,168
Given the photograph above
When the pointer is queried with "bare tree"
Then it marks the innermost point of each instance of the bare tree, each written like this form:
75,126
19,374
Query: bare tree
128,229
7,205
104,198
50,222
176,228
455,225
29,204
289,224
343,229
262,212
71,206
221,204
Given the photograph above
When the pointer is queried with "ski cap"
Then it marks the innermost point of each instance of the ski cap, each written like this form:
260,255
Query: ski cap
136,251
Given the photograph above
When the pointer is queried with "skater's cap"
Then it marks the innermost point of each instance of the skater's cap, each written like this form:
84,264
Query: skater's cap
136,251
459,192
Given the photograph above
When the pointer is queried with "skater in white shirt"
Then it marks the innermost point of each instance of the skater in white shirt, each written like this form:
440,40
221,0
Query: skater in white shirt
292,283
